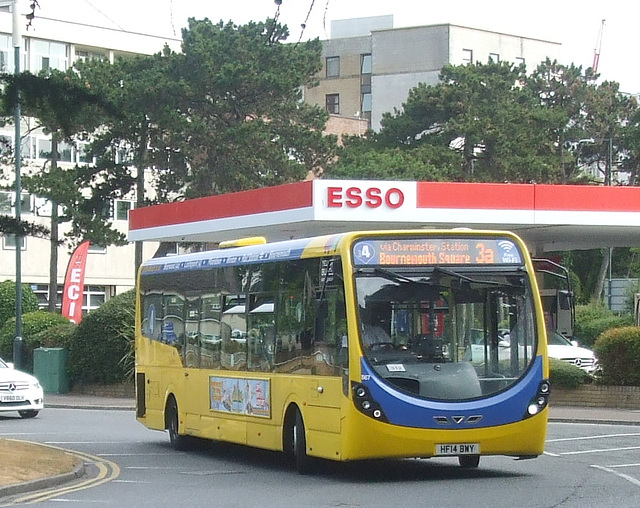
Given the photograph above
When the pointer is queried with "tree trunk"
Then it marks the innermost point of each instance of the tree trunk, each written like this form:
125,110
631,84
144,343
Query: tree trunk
598,290
53,243
141,163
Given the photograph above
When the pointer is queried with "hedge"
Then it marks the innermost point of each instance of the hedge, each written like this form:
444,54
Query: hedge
594,319
618,351
566,375
102,345
33,323
59,335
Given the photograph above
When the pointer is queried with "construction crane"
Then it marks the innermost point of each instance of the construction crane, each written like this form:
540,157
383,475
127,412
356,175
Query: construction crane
596,51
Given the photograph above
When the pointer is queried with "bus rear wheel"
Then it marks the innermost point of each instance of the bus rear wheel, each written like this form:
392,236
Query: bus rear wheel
469,461
178,442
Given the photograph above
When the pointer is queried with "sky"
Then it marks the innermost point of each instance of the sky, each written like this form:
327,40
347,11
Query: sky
574,23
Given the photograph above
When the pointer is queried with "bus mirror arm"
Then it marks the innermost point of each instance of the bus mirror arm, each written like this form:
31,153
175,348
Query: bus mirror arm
322,309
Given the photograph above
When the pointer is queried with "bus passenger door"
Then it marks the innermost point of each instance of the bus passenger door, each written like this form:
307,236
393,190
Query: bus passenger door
322,417
323,414
326,396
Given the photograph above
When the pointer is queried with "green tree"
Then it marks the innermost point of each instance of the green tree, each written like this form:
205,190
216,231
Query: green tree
223,115
562,89
248,125
63,107
631,141
8,300
12,226
594,118
501,129
480,120
361,159
148,132
504,126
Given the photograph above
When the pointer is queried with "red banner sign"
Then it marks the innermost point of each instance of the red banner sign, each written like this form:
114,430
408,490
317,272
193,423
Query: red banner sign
74,284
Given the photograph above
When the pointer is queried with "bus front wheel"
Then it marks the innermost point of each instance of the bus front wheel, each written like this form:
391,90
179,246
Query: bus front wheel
299,445
469,461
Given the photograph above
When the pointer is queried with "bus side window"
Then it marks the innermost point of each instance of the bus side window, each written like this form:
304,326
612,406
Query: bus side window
192,332
330,320
288,318
261,332
210,331
173,321
233,353
152,314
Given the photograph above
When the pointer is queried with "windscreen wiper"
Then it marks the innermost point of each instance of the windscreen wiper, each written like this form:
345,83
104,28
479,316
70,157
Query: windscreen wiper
459,276
397,277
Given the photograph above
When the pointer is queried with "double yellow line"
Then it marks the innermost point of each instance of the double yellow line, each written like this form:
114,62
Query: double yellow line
107,471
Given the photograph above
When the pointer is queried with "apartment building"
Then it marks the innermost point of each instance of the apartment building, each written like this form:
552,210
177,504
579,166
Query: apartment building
56,44
369,66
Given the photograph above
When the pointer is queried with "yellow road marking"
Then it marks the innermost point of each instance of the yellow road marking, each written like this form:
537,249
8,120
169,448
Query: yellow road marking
107,471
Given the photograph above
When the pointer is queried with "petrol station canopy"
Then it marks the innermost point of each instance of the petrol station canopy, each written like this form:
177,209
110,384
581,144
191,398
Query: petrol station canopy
548,218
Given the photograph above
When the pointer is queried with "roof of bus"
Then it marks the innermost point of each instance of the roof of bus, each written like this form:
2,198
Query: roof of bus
325,245
287,249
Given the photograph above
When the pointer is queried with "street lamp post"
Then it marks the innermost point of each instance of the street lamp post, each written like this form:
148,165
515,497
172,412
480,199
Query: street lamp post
17,43
608,181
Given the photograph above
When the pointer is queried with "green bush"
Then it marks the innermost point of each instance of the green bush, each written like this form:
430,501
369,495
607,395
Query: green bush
8,300
593,319
591,311
618,351
57,336
566,375
101,348
33,323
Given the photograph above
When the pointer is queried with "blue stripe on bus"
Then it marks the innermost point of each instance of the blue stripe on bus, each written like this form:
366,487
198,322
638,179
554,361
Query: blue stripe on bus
401,408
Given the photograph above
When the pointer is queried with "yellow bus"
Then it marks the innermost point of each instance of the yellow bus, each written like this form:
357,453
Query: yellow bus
351,346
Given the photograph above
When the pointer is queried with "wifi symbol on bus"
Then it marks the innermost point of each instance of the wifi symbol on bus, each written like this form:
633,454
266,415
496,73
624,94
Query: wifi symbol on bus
506,246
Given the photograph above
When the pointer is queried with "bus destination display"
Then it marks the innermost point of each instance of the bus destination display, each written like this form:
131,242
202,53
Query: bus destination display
436,251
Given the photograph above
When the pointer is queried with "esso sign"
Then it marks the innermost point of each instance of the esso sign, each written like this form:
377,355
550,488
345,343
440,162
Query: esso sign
371,197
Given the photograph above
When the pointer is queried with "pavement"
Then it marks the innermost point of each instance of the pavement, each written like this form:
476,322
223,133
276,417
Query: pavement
79,401
556,413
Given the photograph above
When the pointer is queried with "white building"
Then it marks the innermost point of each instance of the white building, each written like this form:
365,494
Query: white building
54,44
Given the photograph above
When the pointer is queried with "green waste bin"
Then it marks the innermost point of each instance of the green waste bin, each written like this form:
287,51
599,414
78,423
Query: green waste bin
50,367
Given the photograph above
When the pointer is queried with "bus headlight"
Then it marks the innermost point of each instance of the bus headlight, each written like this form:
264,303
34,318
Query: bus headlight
540,401
366,404
545,387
